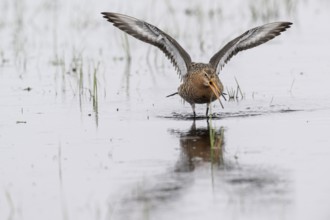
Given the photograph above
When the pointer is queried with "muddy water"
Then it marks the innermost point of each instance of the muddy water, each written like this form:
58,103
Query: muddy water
86,133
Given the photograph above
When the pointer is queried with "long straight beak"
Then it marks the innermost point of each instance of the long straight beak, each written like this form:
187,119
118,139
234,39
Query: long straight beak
215,89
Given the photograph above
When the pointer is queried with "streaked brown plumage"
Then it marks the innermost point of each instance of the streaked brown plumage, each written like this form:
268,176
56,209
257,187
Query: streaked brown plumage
200,81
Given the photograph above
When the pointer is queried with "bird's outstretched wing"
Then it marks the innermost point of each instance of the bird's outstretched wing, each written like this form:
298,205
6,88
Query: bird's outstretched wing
249,39
152,35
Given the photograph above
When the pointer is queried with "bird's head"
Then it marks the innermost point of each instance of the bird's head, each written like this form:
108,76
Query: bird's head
211,80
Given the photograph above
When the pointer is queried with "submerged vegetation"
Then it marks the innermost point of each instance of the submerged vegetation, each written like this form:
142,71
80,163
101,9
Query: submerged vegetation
235,94
80,77
216,142
272,9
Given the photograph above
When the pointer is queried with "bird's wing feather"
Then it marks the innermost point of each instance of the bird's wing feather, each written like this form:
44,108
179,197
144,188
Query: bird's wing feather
152,35
247,40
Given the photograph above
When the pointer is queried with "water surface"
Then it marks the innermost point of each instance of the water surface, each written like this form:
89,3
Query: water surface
87,133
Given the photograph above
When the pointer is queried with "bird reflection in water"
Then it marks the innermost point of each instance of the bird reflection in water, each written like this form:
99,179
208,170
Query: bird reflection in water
200,145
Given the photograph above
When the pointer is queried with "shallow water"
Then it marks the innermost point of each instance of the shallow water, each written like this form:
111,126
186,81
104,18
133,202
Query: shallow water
87,134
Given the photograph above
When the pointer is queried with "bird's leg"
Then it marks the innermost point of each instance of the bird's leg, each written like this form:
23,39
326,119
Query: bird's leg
193,108
223,95
207,109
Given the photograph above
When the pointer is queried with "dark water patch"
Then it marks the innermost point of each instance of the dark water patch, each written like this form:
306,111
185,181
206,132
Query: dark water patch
203,167
154,193
223,115
160,191
262,187
259,181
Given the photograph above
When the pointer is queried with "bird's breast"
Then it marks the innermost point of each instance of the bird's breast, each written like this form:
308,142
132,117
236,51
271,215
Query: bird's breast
197,94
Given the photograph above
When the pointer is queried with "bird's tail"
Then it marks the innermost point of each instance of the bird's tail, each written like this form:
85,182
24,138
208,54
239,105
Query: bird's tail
172,94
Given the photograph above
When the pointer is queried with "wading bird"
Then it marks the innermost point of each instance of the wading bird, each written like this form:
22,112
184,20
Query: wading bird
200,81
